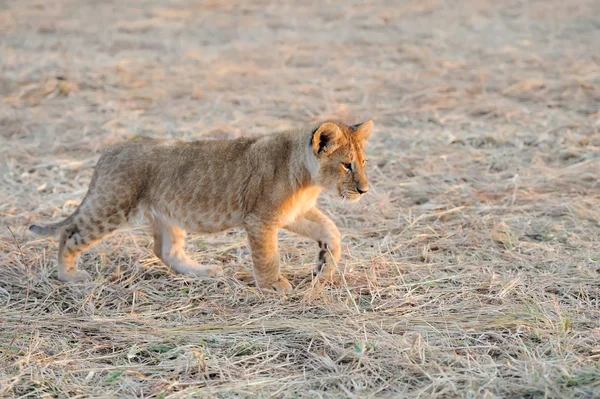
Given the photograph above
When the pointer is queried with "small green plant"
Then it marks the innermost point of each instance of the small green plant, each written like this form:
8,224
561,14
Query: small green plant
114,376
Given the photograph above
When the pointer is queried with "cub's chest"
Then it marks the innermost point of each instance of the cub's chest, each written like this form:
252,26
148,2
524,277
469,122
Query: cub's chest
298,204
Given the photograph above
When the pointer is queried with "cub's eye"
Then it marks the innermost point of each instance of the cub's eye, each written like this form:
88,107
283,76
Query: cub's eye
347,167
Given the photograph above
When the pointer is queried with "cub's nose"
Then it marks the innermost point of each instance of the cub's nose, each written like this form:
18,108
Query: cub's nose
362,190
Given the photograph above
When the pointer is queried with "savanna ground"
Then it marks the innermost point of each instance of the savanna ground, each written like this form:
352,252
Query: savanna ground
471,270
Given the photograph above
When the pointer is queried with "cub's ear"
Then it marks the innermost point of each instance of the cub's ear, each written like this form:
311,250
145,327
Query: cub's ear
326,139
363,132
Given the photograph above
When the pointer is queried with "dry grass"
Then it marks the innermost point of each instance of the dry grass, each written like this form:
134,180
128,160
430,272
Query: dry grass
473,269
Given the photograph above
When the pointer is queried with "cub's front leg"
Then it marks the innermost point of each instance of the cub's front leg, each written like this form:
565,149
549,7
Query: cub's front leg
314,224
265,256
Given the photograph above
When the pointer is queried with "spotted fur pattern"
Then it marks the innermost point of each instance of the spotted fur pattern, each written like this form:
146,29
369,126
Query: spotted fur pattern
262,184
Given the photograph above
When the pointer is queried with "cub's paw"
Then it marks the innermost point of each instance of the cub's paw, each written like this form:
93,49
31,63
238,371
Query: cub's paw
79,275
281,286
324,272
205,271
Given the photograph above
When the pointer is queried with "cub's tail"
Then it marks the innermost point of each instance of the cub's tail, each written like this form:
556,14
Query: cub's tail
50,229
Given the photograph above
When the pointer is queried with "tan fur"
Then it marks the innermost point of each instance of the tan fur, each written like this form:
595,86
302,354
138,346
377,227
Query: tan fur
262,184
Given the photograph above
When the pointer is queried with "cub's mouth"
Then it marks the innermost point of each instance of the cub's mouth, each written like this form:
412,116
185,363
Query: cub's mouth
351,196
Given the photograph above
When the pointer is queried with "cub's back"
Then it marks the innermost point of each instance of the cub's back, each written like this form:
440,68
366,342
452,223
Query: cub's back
170,174
149,160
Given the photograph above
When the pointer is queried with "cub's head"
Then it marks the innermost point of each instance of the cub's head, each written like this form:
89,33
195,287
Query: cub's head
339,150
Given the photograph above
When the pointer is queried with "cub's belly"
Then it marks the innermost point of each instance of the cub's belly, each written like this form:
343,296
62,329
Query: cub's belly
195,220
212,222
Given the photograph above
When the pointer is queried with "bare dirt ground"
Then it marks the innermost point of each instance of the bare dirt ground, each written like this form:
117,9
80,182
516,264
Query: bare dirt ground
471,270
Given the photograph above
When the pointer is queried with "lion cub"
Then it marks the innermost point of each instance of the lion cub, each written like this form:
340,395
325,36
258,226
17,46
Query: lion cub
262,184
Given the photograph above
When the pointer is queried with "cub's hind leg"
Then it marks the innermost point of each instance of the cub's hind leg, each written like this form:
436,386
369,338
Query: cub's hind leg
169,246
85,230
71,245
